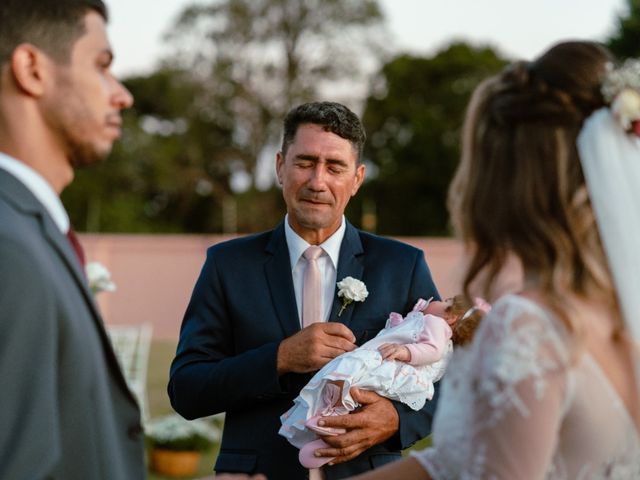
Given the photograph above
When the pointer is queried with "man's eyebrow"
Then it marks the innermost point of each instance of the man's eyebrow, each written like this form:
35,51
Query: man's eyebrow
314,158
338,162
306,156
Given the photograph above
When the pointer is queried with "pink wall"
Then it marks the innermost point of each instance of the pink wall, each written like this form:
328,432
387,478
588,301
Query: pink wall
155,274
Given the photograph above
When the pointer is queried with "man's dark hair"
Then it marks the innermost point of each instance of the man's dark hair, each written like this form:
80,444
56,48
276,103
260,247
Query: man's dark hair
333,117
51,25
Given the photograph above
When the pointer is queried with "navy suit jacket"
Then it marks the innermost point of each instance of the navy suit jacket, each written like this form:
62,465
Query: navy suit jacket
243,305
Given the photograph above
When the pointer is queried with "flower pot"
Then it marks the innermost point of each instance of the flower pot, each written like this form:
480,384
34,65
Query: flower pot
175,463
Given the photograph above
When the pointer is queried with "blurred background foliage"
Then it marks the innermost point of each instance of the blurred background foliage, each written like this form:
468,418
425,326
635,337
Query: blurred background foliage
198,146
413,118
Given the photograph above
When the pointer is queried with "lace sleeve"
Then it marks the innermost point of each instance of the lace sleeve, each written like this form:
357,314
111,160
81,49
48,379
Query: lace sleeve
503,399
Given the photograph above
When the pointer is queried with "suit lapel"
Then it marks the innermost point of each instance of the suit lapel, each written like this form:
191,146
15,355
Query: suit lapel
280,282
18,195
65,251
350,264
24,201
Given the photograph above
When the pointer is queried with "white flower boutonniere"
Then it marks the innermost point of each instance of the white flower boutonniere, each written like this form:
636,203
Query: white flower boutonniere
351,290
99,278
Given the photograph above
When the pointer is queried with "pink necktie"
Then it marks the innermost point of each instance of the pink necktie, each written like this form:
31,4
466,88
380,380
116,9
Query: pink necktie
312,306
312,287
316,474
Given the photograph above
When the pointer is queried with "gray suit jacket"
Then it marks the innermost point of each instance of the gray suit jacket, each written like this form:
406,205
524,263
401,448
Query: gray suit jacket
66,410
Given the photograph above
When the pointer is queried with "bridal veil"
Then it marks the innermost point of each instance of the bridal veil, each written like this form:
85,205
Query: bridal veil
610,160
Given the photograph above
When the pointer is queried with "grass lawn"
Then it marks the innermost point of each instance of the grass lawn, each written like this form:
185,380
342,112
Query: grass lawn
162,352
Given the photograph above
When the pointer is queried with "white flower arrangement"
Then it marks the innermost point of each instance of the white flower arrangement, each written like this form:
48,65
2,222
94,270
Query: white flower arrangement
99,278
626,107
351,290
621,89
172,432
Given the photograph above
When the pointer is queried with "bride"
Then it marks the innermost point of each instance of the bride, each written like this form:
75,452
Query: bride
550,175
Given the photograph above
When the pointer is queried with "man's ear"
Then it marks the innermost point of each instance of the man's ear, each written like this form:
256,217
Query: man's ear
279,162
28,65
360,172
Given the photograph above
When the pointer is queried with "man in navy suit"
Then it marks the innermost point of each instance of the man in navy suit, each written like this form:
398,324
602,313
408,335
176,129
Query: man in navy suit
242,347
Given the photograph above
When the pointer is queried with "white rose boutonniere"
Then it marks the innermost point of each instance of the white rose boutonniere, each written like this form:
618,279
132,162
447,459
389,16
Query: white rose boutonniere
351,290
99,278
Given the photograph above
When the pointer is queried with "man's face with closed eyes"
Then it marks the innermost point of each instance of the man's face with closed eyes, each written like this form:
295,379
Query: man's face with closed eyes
319,173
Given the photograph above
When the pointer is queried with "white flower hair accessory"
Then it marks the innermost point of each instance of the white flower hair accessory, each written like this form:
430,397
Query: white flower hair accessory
99,278
621,89
351,290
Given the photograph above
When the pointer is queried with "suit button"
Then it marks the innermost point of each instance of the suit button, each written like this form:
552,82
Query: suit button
134,432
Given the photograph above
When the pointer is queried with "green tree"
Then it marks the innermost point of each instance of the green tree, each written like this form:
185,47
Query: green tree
625,42
259,58
169,173
205,119
413,119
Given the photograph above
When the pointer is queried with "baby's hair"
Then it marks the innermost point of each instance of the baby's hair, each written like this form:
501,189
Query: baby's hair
468,315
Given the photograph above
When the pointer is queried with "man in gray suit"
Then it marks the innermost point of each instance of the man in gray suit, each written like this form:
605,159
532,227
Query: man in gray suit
66,410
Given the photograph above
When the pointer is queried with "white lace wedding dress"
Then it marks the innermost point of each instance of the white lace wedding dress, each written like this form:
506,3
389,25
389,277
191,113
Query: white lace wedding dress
563,417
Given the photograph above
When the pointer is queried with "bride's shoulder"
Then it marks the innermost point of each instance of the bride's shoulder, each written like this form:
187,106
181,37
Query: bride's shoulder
518,343
516,310
520,325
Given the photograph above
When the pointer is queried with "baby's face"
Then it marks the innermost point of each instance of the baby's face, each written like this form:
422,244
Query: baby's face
438,308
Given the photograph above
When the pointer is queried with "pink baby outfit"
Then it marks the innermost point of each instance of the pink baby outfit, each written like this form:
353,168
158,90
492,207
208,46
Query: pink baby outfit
433,342
410,383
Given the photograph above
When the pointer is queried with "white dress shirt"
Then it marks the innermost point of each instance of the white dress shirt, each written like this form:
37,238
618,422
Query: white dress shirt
327,263
40,188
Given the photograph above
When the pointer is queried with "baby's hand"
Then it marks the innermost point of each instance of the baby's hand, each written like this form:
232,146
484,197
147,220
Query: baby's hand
394,351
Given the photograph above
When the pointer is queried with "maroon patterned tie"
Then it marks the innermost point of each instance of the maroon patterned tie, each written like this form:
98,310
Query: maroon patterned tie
75,243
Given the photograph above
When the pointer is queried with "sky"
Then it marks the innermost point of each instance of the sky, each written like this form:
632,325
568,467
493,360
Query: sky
518,28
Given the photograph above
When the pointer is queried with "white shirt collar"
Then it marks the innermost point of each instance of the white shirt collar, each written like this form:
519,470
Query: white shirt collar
297,245
40,188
